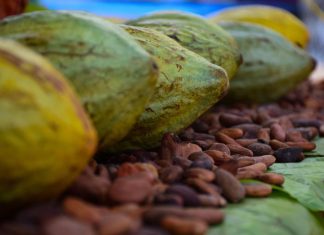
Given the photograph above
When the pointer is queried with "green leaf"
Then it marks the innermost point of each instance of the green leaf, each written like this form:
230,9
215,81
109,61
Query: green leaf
319,151
34,7
276,215
304,181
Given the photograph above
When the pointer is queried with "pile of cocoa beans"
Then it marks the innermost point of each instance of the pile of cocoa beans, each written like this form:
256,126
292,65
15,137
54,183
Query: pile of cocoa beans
184,186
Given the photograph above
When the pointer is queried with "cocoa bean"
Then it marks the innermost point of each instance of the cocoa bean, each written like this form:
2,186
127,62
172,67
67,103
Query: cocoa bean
276,144
305,145
257,189
308,133
236,149
272,178
65,225
171,174
182,162
246,142
307,123
220,147
268,160
245,161
277,132
250,130
168,199
202,186
184,226
218,156
225,139
189,196
290,154
129,189
255,167
294,135
232,188
264,135
228,120
200,173
212,200
116,223
259,149
234,133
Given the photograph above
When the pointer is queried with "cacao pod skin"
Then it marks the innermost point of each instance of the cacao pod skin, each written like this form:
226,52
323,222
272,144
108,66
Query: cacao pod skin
12,7
275,18
112,74
272,65
188,85
198,35
46,138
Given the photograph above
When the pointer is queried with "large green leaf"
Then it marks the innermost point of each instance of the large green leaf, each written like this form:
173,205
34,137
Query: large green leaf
304,181
276,215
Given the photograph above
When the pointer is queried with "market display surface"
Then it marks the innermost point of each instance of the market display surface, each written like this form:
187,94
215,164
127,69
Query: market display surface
166,124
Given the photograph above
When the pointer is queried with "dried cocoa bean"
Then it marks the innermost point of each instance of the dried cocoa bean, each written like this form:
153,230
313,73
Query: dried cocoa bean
189,196
218,156
257,190
277,132
171,174
290,154
246,142
220,147
264,135
236,149
305,145
276,144
228,120
225,139
250,130
200,173
212,201
272,178
234,133
232,188
268,160
183,226
259,149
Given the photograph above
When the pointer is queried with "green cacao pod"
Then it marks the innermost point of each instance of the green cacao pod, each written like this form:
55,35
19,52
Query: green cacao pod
187,86
198,35
112,74
272,65
46,138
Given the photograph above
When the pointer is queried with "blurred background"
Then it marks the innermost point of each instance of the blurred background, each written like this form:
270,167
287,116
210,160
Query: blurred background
310,11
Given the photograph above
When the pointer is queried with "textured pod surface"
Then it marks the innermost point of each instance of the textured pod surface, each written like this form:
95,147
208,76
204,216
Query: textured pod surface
112,74
46,138
187,86
198,35
275,18
272,65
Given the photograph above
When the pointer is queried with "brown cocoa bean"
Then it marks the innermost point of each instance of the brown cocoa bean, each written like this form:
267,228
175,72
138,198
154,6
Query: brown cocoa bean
168,199
246,142
277,132
232,188
218,156
308,133
255,167
83,211
220,147
276,144
245,161
225,139
264,135
305,145
189,196
183,226
259,149
321,130
228,120
129,189
290,154
182,162
200,173
248,174
116,223
234,133
212,201
236,149
208,215
257,189
268,160
294,135
250,130
66,225
171,174
272,178
202,186
307,123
